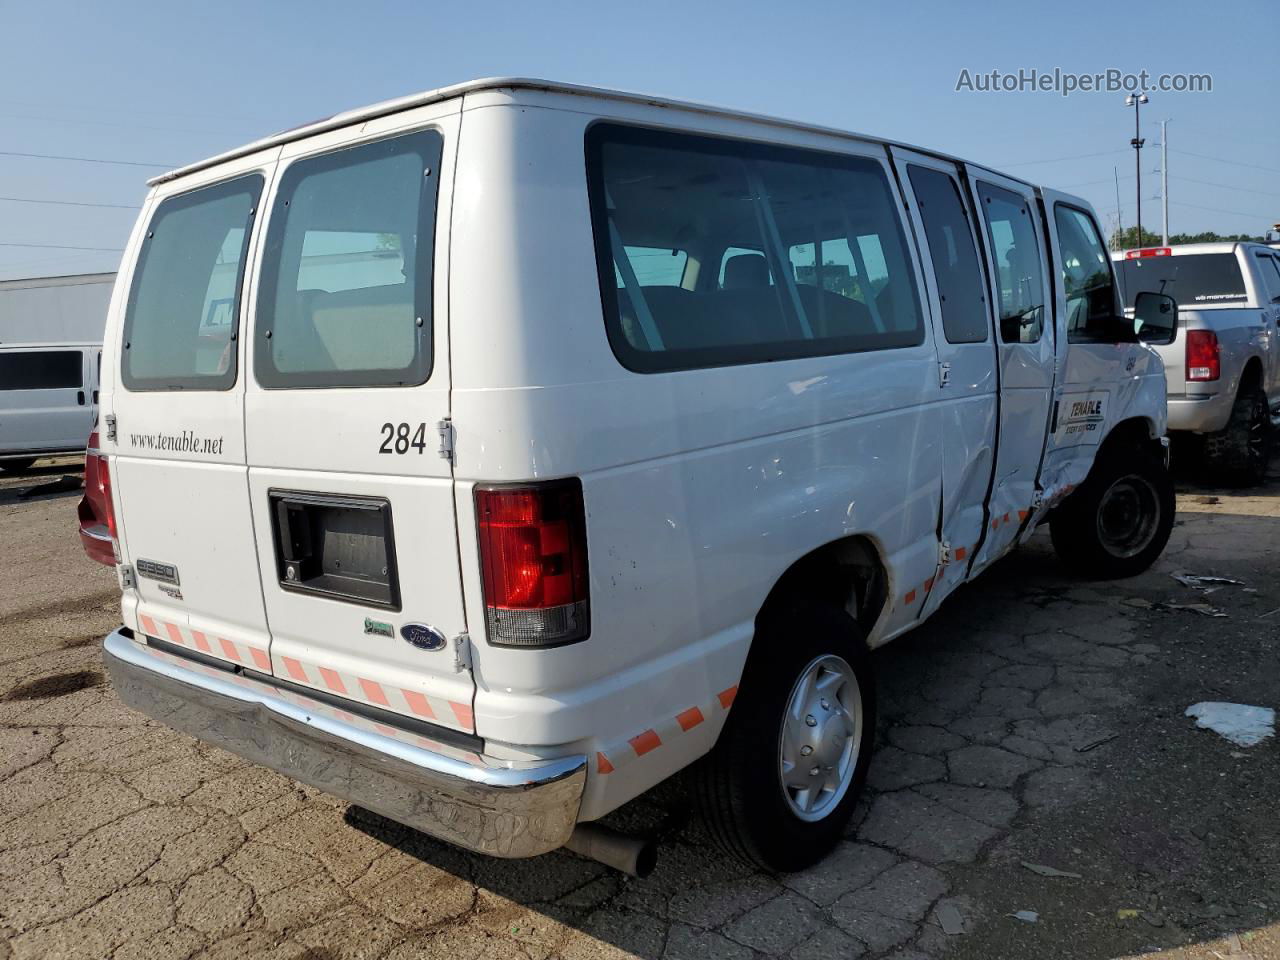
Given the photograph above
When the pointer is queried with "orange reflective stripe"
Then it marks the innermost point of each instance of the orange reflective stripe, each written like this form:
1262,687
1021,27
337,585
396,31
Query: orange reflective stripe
602,763
295,669
726,696
333,681
418,704
373,692
229,650
689,718
910,598
260,659
645,742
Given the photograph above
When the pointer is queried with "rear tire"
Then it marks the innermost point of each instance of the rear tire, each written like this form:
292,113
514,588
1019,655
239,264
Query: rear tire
757,790
1240,453
1119,521
16,466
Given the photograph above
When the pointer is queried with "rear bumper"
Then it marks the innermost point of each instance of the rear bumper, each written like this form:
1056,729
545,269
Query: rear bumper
1200,414
497,807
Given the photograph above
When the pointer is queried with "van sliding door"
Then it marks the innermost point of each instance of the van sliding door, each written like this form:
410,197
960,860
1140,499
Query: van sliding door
946,230
1019,288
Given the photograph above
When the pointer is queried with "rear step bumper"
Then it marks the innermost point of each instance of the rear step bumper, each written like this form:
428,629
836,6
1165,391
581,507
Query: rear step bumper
497,807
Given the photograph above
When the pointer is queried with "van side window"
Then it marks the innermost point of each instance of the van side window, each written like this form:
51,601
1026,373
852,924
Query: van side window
1011,232
812,255
1087,281
40,370
345,295
183,312
954,256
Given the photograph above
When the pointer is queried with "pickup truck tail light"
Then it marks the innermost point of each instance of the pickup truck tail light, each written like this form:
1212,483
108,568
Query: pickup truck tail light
533,562
1203,360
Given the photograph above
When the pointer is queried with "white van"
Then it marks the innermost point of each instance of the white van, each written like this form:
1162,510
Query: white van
48,400
557,438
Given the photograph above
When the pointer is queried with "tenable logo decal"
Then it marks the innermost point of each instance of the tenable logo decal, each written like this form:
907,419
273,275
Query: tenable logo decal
378,628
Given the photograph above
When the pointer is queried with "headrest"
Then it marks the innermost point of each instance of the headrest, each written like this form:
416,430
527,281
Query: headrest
746,271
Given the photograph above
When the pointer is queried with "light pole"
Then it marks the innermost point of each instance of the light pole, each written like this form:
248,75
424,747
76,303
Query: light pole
1136,102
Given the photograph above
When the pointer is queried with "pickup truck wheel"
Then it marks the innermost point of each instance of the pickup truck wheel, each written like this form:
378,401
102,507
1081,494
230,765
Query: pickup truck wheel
1119,520
1240,452
16,466
780,786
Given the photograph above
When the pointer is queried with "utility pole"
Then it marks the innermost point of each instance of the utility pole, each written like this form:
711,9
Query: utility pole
1136,102
1119,212
1164,177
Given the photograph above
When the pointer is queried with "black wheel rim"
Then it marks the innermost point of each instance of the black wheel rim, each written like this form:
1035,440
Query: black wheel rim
1128,516
1259,444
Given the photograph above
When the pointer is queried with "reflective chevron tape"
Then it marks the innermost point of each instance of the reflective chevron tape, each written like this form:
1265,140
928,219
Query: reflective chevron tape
623,752
413,703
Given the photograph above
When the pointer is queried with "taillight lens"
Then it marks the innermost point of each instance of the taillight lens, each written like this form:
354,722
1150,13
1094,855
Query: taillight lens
533,562
1203,359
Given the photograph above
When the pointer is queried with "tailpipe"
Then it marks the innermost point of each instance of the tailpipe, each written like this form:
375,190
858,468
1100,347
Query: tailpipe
631,855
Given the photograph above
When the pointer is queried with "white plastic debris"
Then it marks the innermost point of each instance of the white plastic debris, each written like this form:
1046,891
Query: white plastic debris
1026,916
1196,580
1243,725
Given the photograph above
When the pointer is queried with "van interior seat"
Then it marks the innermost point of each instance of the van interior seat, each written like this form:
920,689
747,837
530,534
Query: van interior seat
365,328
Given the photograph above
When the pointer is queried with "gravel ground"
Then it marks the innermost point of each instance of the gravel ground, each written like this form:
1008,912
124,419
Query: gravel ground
1035,720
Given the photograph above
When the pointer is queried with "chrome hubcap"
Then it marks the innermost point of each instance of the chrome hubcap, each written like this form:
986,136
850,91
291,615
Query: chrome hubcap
1128,516
818,746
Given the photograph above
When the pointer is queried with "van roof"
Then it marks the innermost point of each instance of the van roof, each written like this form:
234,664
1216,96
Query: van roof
526,83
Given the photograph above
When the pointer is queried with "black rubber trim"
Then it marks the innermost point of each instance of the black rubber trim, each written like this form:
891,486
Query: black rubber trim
454,738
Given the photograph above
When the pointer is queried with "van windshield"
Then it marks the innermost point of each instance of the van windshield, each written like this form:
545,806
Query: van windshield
1191,279
183,312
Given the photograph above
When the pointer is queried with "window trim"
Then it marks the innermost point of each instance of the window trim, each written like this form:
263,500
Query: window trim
417,373
1117,297
600,132
217,383
976,241
1046,279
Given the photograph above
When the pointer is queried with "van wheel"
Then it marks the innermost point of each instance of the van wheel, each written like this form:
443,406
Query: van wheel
1240,452
1119,520
16,466
779,787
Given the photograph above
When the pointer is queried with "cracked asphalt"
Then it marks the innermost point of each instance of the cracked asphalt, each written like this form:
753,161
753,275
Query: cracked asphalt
1036,720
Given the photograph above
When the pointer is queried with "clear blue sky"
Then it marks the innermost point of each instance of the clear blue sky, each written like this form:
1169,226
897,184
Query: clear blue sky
170,83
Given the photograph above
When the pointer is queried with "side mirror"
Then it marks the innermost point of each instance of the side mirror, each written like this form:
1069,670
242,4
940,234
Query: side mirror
1155,317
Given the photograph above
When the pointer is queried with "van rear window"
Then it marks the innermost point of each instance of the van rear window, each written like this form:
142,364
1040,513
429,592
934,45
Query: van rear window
345,297
782,253
41,370
1193,279
183,312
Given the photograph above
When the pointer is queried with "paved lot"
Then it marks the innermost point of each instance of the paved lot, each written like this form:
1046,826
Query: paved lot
1036,720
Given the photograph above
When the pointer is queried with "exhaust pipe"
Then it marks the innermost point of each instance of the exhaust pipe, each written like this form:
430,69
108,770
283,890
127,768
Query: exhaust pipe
631,855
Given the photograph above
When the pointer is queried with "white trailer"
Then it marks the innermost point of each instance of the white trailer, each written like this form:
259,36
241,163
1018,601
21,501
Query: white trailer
69,309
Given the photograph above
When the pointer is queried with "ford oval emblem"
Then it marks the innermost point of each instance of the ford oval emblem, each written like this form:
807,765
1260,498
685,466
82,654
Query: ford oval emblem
423,637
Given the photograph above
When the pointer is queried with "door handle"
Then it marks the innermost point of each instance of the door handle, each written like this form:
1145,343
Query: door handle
80,397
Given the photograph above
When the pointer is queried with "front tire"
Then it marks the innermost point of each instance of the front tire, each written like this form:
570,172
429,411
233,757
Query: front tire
780,786
1119,521
1240,453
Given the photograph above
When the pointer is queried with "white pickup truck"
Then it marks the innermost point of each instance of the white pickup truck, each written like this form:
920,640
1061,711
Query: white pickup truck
552,439
1223,366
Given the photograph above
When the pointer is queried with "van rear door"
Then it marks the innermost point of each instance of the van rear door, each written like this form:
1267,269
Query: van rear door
352,499
177,398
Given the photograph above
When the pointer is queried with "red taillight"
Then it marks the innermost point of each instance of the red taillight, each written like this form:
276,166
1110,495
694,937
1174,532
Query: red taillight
1203,360
533,562
1149,252
108,504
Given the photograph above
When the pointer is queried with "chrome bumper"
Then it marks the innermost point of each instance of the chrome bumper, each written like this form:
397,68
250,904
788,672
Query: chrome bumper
498,807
